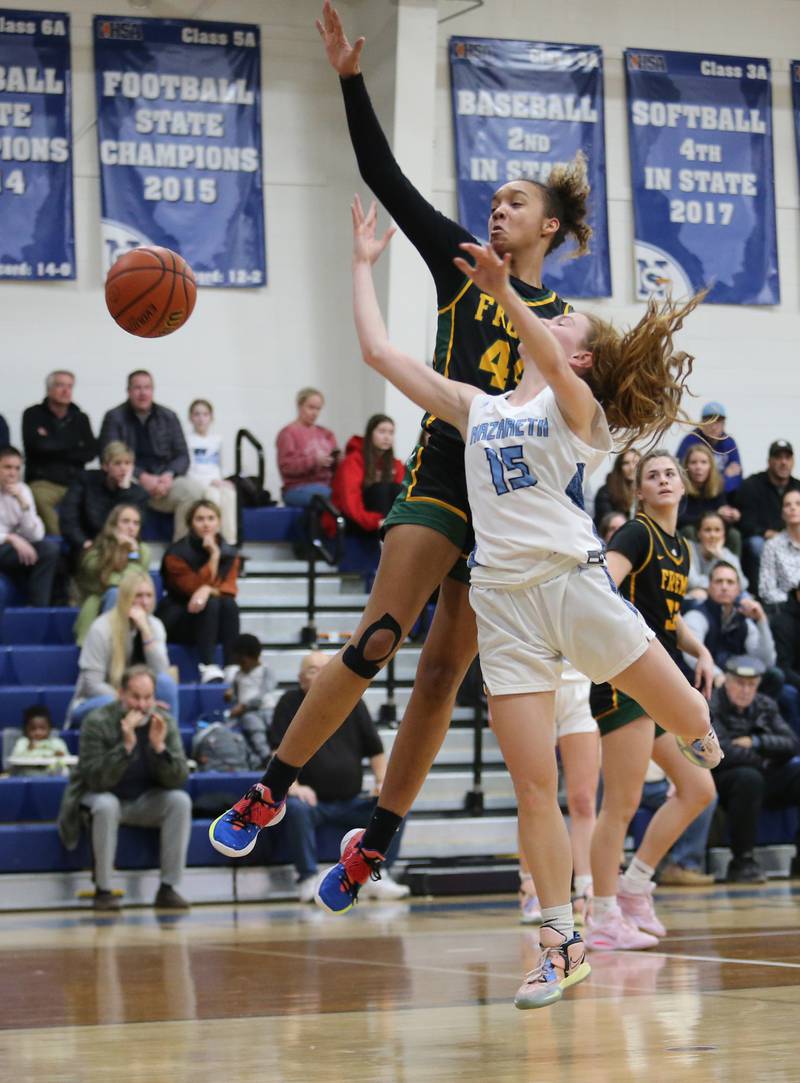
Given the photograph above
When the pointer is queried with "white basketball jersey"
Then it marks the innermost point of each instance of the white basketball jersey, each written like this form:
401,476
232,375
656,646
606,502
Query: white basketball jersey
525,472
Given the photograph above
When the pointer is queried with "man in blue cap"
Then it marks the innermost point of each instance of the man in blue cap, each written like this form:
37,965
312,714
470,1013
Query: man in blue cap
761,767
711,432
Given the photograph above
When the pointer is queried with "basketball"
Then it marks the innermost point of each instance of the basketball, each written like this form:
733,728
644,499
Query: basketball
151,292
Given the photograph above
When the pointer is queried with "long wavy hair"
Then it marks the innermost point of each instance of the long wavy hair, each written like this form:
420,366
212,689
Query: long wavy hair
638,377
120,622
378,465
714,483
621,491
566,197
112,556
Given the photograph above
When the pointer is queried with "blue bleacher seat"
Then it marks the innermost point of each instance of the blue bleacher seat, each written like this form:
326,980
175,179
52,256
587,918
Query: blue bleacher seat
360,555
158,526
42,665
12,799
270,524
10,592
48,625
186,658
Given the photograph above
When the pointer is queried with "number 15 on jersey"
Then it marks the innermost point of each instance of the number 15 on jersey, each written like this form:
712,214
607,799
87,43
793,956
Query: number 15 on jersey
509,469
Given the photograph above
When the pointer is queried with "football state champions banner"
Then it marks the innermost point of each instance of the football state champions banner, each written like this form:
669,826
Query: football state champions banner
520,108
37,239
179,134
700,134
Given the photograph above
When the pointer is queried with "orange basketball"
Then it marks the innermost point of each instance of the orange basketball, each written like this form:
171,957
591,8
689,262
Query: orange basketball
151,292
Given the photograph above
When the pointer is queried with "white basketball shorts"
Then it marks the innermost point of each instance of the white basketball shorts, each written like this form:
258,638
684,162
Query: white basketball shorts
525,633
573,714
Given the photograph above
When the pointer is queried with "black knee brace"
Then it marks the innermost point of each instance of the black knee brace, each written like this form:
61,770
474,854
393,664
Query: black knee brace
354,658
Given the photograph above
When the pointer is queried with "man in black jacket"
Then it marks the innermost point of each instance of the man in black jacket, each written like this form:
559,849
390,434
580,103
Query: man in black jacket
759,500
94,493
58,443
761,765
162,457
329,788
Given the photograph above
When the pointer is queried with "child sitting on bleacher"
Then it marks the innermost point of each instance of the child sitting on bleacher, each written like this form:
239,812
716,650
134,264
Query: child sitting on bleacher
253,694
37,745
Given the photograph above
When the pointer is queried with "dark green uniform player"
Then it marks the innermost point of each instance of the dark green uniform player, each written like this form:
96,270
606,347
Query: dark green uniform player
656,585
475,343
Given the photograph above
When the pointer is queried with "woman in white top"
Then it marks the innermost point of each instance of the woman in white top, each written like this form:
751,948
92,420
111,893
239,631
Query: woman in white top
124,636
205,449
779,571
540,588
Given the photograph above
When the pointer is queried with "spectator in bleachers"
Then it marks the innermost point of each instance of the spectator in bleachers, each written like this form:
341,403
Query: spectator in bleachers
38,743
707,551
786,631
329,787
25,553
94,493
117,548
131,769
5,435
126,635
368,477
59,442
761,766
760,501
610,524
205,451
711,433
779,572
156,437
730,625
705,491
252,694
307,452
200,584
619,491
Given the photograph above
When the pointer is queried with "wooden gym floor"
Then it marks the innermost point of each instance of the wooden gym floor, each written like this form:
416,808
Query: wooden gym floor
396,993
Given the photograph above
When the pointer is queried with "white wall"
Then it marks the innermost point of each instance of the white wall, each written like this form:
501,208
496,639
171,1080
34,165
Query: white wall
249,350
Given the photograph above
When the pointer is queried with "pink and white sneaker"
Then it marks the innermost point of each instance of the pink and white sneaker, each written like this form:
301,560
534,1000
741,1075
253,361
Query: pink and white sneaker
530,911
639,908
615,933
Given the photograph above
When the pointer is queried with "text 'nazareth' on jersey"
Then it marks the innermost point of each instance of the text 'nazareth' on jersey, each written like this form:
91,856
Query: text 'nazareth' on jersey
509,426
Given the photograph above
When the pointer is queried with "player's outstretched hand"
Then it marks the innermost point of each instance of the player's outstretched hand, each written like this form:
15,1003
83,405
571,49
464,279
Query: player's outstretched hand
488,272
343,56
366,246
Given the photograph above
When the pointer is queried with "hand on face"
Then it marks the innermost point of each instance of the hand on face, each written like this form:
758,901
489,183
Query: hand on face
158,732
366,246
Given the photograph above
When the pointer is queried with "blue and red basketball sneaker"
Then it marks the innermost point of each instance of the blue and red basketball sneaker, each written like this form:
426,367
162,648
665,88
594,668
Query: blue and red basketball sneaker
234,833
337,889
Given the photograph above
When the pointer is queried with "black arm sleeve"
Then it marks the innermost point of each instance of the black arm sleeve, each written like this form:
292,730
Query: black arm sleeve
434,236
633,541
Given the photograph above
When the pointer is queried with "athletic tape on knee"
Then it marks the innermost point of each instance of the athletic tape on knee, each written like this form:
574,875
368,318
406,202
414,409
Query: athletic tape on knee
354,657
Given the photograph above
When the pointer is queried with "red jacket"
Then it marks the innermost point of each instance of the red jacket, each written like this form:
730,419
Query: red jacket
348,485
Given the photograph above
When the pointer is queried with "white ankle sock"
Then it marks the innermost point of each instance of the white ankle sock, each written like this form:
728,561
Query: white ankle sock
583,885
604,906
559,918
523,876
637,877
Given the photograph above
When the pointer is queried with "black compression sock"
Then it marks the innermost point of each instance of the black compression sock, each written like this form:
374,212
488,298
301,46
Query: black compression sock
279,776
381,829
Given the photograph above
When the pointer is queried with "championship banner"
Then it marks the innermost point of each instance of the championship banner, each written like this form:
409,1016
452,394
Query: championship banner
179,133
519,108
37,238
700,134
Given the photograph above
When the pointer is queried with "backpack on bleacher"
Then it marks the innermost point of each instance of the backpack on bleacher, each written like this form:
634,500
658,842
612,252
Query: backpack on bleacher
219,747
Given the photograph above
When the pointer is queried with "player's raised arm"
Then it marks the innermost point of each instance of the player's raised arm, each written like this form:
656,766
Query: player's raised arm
491,274
447,399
